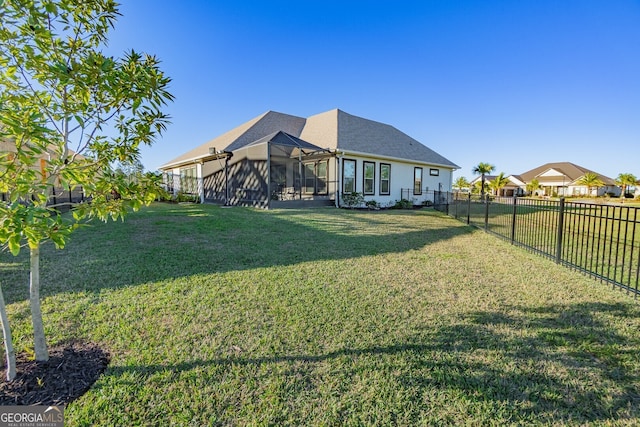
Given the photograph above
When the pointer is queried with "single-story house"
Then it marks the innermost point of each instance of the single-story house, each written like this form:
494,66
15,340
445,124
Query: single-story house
514,186
561,179
279,159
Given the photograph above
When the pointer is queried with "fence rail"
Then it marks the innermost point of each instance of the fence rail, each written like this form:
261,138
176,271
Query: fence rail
600,240
58,196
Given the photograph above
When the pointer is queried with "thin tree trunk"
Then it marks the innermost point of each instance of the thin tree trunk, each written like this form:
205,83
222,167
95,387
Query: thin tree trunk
39,340
8,341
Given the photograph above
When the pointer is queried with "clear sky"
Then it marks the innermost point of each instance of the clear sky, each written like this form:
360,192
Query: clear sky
516,83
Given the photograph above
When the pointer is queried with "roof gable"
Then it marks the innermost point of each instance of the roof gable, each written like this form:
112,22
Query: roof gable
571,171
552,172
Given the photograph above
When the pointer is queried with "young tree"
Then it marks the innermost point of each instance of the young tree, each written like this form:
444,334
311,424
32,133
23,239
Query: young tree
590,180
483,169
533,186
461,182
498,183
624,180
58,95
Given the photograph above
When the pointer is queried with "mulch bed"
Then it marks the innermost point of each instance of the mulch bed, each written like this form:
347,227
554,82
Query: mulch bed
67,375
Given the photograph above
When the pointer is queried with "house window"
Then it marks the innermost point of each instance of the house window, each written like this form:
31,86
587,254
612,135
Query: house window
348,176
369,177
315,178
309,178
385,178
188,180
417,181
434,172
322,176
168,181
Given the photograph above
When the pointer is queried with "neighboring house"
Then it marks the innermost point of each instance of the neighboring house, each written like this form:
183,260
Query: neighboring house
277,159
58,194
560,179
515,185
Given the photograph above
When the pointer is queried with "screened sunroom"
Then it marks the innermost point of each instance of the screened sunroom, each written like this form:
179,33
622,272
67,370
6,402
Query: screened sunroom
275,171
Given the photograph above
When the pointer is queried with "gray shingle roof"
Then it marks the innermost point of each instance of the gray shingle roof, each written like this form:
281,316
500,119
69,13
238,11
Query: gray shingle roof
342,131
333,129
256,128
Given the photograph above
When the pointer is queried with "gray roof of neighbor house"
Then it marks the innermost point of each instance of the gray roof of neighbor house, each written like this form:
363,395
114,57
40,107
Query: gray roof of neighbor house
570,170
333,129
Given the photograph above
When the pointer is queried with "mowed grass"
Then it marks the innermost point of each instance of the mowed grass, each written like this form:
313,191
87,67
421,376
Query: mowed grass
238,316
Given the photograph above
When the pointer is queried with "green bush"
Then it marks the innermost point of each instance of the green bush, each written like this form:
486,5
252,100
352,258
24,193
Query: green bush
352,200
372,204
188,198
403,204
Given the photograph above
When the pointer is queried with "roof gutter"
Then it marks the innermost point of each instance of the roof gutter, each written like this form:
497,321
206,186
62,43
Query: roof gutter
212,155
397,159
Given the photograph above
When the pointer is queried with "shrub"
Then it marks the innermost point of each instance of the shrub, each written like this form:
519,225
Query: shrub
352,200
403,204
372,204
185,197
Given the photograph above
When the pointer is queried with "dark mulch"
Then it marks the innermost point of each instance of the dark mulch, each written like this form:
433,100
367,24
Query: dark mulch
70,371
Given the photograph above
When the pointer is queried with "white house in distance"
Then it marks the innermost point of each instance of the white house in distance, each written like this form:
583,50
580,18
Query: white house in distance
278,159
555,179
560,179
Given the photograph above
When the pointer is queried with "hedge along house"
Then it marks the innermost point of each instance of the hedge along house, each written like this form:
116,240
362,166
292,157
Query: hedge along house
277,160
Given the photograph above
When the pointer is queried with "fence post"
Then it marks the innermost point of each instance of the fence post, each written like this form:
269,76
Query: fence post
486,213
560,228
448,196
469,210
513,219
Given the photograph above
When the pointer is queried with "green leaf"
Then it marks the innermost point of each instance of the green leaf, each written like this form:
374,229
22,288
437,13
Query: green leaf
14,245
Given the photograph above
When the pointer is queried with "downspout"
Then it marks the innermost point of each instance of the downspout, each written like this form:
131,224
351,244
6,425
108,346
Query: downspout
300,171
268,174
199,169
226,180
339,180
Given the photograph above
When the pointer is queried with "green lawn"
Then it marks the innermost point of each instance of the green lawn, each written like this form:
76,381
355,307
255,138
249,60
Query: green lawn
599,238
330,317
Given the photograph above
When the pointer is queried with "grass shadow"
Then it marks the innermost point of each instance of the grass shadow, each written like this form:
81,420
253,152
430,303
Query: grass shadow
555,364
171,241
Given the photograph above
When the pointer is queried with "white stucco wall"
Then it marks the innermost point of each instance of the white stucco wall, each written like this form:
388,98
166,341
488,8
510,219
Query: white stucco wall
402,176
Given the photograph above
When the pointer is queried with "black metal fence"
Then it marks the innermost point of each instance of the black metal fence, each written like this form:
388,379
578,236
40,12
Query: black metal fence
601,240
59,196
439,200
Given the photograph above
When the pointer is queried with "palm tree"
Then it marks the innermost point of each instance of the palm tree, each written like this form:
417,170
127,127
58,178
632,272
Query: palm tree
624,180
498,183
533,185
483,169
461,183
590,180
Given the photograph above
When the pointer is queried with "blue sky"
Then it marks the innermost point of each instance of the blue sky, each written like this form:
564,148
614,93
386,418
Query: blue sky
514,83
